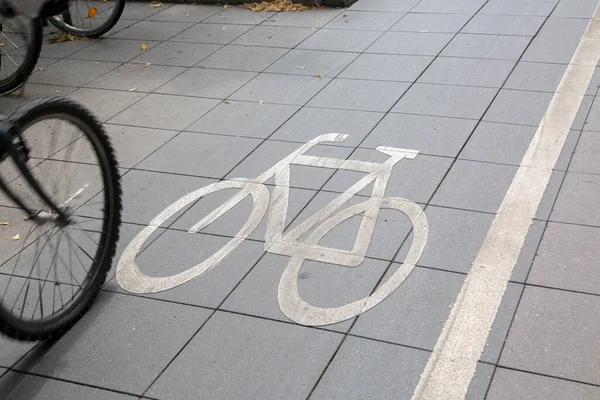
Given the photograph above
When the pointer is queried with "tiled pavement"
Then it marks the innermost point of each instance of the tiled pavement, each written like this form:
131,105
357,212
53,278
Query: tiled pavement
227,93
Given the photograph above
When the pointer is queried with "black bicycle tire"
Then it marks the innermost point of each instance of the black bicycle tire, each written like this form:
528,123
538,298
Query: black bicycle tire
18,79
57,325
92,33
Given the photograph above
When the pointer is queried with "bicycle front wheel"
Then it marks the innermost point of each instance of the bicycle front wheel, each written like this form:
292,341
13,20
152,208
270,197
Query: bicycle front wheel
52,269
89,18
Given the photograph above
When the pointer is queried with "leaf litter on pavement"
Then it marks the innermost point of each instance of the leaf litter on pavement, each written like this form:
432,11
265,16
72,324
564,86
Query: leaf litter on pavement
277,5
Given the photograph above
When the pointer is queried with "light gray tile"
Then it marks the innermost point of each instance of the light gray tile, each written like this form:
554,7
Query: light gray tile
105,103
361,20
185,13
199,154
575,9
244,119
152,30
487,46
363,366
305,19
140,77
237,15
445,101
504,24
230,360
339,40
72,72
454,7
274,36
65,49
202,82
281,89
416,43
165,327
475,186
430,135
163,111
516,7
414,314
557,41
441,23
311,62
243,58
529,251
518,107
551,332
212,33
538,77
519,385
593,120
177,54
386,67
468,72
481,381
385,5
113,50
309,123
139,11
12,351
354,94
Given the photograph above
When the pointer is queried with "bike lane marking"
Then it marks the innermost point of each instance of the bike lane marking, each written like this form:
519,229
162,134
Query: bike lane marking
452,365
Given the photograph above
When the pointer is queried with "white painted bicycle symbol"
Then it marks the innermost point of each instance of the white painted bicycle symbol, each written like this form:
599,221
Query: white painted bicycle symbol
132,279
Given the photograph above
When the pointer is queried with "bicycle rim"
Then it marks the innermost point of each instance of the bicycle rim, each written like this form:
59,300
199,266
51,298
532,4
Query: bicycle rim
54,270
90,18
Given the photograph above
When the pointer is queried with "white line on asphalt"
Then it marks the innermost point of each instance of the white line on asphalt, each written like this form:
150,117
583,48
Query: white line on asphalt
452,365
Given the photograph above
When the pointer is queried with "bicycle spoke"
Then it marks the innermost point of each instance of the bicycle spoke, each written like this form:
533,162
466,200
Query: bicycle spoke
46,279
32,228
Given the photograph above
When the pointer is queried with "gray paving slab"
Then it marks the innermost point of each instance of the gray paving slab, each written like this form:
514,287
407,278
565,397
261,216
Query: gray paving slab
445,101
113,50
415,313
236,15
578,200
152,30
441,23
239,118
468,72
567,264
518,107
200,154
584,158
475,186
415,179
429,135
281,89
320,284
11,351
498,47
551,334
311,62
101,339
139,77
504,25
185,13
556,41
455,7
498,143
177,54
481,381
243,58
105,103
523,385
516,7
389,67
412,43
72,72
211,33
163,111
362,95
19,386
529,251
592,123
385,5
455,237
270,152
340,40
310,122
306,19
145,193
176,251
139,11
363,20
65,49
294,354
119,26
364,368
575,9
547,205
538,77
274,36
201,82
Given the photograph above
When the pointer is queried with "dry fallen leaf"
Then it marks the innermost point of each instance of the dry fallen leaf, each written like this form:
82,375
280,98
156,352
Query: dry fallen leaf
300,67
226,102
276,5
144,47
41,69
132,89
147,65
16,237
226,5
4,224
156,4
1,44
92,13
260,102
317,75
25,218
66,37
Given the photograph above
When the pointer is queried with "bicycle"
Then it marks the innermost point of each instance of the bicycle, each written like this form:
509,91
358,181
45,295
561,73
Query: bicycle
294,243
70,252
